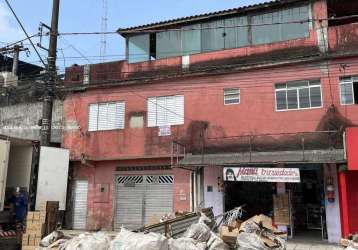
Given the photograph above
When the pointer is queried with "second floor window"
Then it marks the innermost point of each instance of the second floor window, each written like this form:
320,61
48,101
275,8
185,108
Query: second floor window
349,90
106,116
165,110
298,95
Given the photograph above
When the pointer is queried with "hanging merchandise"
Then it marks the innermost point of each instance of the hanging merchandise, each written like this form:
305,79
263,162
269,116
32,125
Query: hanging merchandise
330,189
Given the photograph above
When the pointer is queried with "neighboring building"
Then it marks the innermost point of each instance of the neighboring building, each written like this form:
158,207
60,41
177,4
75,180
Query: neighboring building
20,115
268,85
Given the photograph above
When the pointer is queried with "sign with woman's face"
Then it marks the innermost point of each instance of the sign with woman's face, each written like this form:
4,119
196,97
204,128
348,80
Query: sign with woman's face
254,174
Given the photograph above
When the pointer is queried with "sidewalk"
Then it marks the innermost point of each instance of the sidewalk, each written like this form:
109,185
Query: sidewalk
308,245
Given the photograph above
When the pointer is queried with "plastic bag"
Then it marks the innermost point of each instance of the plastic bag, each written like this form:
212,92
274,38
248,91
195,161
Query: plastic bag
127,240
250,241
216,243
186,244
199,232
87,241
51,238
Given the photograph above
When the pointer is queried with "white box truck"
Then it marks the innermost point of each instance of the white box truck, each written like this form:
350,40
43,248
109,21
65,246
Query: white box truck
44,176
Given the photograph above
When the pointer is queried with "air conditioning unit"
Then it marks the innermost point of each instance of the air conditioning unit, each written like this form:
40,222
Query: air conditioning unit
7,79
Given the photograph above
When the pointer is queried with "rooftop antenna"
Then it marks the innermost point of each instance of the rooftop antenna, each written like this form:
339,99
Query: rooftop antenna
104,30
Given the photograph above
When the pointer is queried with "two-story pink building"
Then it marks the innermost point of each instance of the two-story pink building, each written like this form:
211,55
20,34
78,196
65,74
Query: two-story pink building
262,93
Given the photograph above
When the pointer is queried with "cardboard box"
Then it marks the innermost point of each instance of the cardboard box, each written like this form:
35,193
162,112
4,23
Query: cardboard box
262,220
36,216
227,235
30,216
37,240
235,224
25,239
29,247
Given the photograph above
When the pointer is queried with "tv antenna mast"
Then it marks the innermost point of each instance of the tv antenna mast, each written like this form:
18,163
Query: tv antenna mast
104,30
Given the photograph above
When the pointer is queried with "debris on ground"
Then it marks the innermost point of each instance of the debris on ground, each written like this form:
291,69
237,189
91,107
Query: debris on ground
256,233
127,240
87,241
351,243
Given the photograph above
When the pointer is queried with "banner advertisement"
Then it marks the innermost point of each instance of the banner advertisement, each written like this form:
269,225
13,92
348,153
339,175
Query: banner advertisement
252,174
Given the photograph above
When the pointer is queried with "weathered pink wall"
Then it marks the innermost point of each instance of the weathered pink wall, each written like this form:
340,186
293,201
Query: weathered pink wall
100,213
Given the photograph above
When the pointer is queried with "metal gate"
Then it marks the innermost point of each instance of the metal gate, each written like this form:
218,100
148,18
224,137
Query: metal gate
140,197
79,215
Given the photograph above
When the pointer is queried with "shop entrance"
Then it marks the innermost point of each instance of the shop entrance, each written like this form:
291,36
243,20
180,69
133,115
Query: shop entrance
256,196
304,209
308,218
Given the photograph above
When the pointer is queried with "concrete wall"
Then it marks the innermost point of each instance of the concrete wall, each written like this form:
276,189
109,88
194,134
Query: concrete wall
333,219
19,168
21,121
215,197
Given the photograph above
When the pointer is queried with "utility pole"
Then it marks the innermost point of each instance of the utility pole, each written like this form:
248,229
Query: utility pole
15,62
52,77
15,50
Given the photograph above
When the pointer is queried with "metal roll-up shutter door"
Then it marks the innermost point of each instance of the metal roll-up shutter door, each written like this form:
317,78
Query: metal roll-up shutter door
80,191
140,197
158,196
129,201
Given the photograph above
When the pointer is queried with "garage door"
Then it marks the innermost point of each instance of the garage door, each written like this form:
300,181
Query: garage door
140,197
80,191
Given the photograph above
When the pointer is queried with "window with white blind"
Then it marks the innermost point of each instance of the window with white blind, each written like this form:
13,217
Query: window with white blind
106,116
349,90
298,95
165,110
231,96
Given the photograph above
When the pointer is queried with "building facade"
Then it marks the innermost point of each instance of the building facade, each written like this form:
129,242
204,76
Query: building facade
259,87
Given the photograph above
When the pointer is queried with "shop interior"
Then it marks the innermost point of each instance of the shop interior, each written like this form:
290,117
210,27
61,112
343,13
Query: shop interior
308,218
305,200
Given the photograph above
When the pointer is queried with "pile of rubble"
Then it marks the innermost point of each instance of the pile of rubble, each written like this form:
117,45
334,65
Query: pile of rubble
351,243
256,233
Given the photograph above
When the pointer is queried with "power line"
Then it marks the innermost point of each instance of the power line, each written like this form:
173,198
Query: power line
75,49
23,29
144,30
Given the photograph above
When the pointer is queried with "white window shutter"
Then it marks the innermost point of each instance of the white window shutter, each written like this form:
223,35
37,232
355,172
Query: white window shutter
162,112
92,117
111,116
102,116
172,116
179,109
120,115
152,112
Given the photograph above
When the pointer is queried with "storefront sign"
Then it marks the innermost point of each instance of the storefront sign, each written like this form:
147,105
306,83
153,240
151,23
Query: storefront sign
262,174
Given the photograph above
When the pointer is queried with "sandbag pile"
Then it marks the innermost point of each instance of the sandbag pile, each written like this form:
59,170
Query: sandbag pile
197,237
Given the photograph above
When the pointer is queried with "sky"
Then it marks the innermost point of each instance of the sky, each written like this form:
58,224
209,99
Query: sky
85,16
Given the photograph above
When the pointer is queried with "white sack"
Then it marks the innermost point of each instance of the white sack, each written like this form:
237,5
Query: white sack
216,243
199,232
87,241
127,240
186,244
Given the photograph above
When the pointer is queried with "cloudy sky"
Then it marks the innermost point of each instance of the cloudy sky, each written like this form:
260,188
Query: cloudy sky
85,16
